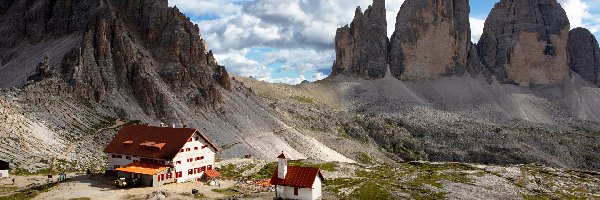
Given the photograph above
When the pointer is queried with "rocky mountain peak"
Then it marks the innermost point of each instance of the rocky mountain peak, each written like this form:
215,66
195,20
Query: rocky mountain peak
122,53
584,54
525,42
431,40
361,49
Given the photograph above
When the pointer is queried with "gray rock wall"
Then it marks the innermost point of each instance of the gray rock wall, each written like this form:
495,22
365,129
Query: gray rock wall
431,40
524,41
584,55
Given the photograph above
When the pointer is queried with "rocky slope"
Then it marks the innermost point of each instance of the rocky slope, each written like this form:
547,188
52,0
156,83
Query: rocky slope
145,62
525,42
361,49
135,61
461,119
431,40
584,54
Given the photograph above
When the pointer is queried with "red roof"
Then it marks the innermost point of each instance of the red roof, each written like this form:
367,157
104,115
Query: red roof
212,173
303,177
152,142
143,168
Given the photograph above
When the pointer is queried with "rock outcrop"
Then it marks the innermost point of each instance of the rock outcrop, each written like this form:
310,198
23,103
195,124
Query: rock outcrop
42,71
120,53
431,40
361,48
525,42
584,54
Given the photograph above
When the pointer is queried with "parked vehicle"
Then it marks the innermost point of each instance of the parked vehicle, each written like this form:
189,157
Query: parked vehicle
127,182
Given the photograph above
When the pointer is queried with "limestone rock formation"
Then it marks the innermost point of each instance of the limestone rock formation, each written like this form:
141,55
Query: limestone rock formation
525,42
43,70
431,40
361,48
112,51
584,54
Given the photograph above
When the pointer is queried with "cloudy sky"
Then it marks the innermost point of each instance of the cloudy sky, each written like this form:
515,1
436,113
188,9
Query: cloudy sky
288,41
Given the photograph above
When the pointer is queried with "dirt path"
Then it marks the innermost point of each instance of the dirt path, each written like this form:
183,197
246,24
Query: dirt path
99,187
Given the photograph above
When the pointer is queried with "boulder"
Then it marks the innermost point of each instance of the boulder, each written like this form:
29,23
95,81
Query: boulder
525,42
584,54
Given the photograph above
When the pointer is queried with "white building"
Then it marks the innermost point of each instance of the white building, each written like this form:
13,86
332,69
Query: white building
159,155
291,182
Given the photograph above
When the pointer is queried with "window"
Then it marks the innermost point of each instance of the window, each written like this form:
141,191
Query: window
114,156
178,162
210,167
203,168
128,157
178,174
187,149
189,139
181,150
204,147
169,175
195,148
119,156
201,157
296,191
190,172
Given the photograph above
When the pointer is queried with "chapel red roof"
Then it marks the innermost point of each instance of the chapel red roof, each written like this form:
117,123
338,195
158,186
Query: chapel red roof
303,177
152,142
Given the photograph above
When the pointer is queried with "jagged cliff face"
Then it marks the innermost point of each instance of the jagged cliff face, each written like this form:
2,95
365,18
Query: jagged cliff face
584,55
432,39
112,49
361,49
526,42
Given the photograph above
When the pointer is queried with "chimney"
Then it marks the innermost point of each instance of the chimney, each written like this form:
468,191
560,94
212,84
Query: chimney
282,166
173,125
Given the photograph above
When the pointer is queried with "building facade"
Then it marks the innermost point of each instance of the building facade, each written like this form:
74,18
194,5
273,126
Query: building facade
160,155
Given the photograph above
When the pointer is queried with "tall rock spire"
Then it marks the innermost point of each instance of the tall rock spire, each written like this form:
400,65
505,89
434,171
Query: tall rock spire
361,49
584,54
525,42
431,40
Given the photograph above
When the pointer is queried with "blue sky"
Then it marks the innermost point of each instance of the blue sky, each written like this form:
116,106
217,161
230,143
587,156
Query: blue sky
288,41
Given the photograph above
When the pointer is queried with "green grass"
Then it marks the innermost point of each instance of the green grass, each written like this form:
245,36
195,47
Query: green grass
8,188
265,172
323,166
104,123
30,193
371,190
364,158
230,171
303,99
228,192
